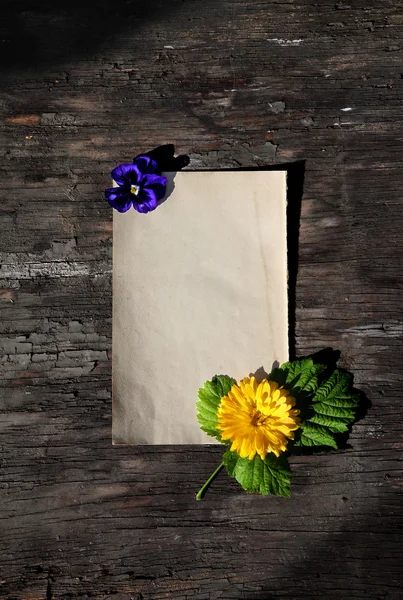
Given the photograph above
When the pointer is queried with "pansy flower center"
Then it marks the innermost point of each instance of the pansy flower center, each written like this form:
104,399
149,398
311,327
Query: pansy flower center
134,189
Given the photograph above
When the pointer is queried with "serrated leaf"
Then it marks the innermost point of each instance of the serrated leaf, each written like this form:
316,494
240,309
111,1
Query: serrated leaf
209,398
335,425
336,385
269,476
298,376
230,459
334,399
315,435
323,408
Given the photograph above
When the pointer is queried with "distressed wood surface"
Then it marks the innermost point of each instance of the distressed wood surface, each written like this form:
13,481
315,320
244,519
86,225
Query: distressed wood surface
232,83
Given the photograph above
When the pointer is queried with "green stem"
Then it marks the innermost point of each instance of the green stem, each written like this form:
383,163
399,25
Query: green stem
203,489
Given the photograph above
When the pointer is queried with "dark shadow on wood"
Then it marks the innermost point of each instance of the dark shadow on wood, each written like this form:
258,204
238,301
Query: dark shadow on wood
41,33
312,567
328,357
295,186
165,157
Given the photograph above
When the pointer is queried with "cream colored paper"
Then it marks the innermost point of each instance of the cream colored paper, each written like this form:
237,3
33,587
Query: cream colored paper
199,288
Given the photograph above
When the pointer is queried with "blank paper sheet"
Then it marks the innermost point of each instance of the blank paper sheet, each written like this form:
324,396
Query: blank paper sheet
199,289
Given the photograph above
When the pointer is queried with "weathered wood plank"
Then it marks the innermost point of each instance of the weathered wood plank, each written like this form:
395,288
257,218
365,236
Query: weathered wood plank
240,83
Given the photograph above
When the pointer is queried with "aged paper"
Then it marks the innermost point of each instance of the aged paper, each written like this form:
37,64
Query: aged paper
199,288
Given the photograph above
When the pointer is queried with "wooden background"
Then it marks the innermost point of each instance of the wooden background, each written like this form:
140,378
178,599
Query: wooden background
86,85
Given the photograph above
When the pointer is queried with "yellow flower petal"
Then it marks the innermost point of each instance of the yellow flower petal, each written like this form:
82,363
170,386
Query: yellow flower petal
257,418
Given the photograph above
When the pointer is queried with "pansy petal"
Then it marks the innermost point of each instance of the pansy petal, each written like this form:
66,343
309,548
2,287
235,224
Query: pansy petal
158,189
125,174
146,164
156,183
115,192
146,201
118,199
123,207
151,178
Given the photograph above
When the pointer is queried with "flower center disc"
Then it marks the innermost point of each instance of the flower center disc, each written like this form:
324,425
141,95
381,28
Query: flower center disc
258,419
134,189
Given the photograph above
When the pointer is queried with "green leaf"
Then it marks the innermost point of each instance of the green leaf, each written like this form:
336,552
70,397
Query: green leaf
209,398
335,425
269,476
315,435
298,376
334,399
230,459
323,408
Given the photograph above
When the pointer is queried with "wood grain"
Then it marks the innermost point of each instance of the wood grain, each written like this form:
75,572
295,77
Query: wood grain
232,83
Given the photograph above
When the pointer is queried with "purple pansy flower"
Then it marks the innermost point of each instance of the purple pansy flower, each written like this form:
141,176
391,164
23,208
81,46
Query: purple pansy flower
140,186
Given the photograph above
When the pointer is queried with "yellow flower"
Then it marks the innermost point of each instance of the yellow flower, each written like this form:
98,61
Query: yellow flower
257,418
